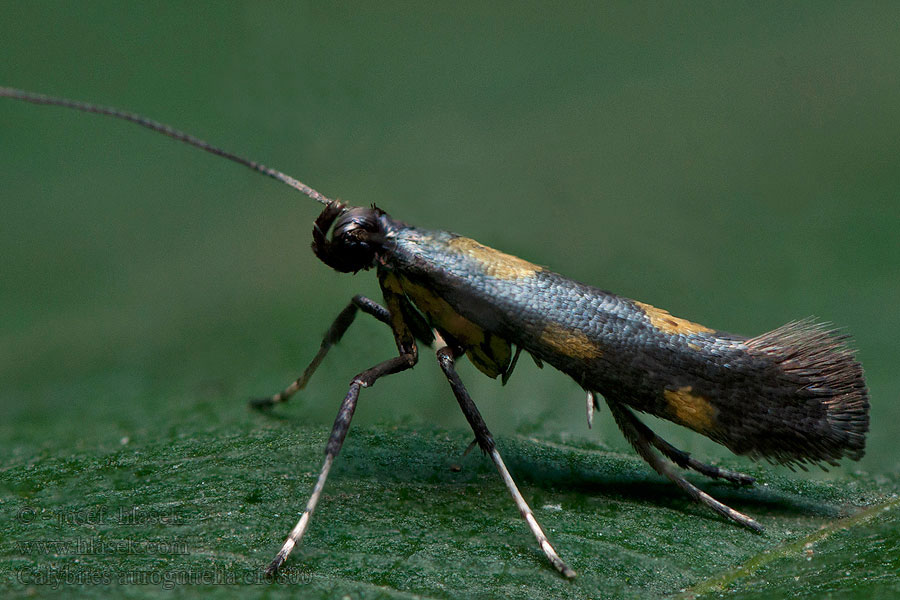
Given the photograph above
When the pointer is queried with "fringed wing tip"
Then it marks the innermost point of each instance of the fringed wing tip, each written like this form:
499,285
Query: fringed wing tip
818,362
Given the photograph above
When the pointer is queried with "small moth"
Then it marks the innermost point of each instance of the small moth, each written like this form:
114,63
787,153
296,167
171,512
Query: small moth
795,395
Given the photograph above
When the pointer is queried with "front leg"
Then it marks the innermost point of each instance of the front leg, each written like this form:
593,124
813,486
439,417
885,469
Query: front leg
408,356
447,358
332,337
339,327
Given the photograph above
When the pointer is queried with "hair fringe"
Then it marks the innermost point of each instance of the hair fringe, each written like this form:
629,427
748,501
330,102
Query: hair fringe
816,362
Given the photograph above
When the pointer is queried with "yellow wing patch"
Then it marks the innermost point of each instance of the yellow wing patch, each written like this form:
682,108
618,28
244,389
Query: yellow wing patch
662,320
690,409
570,342
490,353
391,283
495,263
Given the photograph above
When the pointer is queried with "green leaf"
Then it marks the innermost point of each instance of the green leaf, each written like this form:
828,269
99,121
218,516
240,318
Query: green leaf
404,514
855,557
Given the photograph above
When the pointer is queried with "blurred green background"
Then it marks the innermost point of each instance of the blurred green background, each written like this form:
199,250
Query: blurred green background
736,164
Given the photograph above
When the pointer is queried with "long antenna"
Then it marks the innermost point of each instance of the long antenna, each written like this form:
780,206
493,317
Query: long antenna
7,92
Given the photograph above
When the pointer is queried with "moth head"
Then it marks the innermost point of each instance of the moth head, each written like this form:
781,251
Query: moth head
356,237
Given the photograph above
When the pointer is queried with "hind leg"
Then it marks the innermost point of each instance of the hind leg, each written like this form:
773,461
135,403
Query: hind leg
639,435
684,459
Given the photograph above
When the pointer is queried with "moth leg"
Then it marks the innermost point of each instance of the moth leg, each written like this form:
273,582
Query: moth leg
470,447
335,441
592,403
447,358
638,438
683,459
408,355
332,337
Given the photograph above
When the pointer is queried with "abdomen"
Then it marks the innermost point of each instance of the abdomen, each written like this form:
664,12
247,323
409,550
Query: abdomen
795,394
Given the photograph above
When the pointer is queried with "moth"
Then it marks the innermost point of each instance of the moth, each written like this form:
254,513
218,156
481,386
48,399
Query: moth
794,395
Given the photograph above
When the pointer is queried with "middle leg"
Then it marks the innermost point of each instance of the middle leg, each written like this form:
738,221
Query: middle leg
447,359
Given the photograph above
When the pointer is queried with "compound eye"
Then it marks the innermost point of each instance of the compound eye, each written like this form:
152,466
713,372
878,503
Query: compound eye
355,223
354,239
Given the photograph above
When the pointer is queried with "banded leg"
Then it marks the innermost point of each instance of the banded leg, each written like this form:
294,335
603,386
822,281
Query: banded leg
447,358
684,460
679,457
332,337
638,438
335,441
